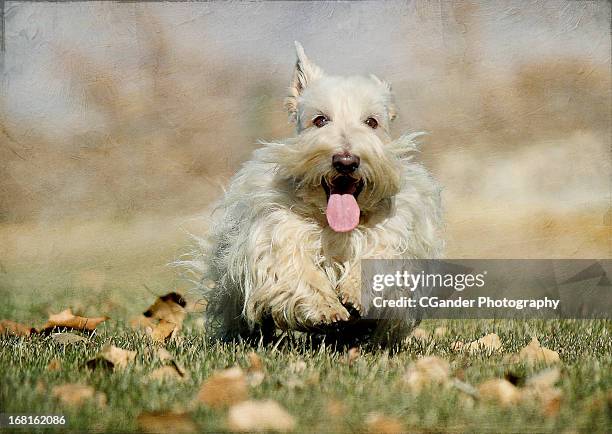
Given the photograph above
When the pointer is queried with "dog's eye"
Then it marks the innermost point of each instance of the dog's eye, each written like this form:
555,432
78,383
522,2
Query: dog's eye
320,121
372,123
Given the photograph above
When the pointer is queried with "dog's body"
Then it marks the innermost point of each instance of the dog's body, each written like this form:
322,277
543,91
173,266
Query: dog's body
297,219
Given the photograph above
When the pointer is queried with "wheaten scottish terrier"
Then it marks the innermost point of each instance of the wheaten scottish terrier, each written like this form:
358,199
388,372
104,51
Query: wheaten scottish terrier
284,250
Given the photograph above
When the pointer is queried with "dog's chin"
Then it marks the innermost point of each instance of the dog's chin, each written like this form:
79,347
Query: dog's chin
343,212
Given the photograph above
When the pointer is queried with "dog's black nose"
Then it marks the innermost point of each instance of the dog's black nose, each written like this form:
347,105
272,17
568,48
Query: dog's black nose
345,163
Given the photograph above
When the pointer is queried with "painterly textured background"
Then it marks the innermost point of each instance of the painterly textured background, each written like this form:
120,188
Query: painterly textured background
120,124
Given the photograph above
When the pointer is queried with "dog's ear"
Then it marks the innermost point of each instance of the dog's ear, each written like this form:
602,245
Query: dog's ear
305,72
390,100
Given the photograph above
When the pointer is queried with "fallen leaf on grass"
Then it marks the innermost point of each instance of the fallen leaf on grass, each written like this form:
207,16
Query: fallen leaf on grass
541,389
171,370
163,331
142,322
381,424
14,328
112,357
534,353
426,371
488,343
548,400
255,371
500,391
78,394
157,422
259,416
544,379
54,365
163,318
255,363
166,373
538,390
67,338
224,388
169,307
66,319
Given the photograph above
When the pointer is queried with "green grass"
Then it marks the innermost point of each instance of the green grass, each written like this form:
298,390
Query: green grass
30,291
371,384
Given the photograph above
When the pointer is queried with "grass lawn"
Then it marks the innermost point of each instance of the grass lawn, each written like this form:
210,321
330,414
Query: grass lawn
326,393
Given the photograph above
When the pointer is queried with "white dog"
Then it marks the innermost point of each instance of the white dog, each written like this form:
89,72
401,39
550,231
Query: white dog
285,247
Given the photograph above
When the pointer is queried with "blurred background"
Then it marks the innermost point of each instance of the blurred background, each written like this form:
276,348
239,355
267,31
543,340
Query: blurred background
120,123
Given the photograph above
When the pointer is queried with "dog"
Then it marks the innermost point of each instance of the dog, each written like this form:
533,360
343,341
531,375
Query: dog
287,237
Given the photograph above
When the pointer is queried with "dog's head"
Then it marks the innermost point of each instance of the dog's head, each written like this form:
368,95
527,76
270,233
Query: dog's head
339,160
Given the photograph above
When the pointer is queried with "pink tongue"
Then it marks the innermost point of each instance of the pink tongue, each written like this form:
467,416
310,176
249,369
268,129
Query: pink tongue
342,212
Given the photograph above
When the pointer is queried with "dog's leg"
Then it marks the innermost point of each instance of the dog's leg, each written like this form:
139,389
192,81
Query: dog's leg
296,294
349,288
286,281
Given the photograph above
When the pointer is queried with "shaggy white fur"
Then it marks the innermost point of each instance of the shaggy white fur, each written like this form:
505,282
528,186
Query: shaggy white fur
271,252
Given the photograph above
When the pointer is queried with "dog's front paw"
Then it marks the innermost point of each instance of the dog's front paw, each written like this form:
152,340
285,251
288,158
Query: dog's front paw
350,294
323,314
352,302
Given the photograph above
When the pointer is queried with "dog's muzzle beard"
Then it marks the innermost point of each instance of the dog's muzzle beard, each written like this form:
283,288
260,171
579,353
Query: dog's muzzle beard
342,211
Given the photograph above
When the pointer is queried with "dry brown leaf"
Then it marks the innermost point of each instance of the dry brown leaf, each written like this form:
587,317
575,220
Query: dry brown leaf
166,373
171,370
544,379
112,357
548,399
163,318
224,388
551,402
381,424
142,322
500,391
540,388
14,328
255,372
352,355
534,353
78,394
162,422
54,365
169,307
255,363
259,416
66,319
163,331
67,338
426,371
488,343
